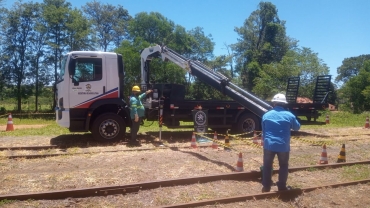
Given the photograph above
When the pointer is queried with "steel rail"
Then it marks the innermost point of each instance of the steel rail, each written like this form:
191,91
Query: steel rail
289,194
135,187
29,147
71,154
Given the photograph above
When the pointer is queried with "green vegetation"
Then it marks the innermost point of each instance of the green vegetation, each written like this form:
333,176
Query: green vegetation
312,169
5,201
356,172
340,119
337,119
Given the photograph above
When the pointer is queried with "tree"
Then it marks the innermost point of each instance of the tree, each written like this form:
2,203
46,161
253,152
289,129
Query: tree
230,59
18,28
109,22
78,32
3,56
39,72
302,62
55,13
310,66
351,67
262,40
273,77
154,28
356,91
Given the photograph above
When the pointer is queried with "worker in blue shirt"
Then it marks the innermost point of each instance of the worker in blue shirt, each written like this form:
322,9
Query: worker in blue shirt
276,126
137,112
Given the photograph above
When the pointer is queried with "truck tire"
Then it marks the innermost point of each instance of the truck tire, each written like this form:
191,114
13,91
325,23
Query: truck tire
247,123
108,127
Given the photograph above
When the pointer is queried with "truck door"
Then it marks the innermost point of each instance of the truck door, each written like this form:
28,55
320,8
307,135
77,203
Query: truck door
88,82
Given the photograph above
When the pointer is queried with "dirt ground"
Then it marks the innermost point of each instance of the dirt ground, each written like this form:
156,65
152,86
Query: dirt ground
120,164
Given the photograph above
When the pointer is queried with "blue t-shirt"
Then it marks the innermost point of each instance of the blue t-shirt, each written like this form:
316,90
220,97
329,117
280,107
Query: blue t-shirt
136,107
276,126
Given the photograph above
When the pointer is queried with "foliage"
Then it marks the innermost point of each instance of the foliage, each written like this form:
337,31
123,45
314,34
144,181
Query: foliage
301,62
351,67
18,29
109,23
355,93
78,32
262,41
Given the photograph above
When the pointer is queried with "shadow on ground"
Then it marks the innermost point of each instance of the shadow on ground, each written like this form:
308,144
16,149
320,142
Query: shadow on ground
87,140
204,158
170,137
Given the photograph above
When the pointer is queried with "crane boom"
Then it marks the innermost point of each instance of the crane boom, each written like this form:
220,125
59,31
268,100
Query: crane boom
204,73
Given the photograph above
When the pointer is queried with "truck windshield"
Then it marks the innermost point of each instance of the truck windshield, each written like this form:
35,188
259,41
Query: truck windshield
62,69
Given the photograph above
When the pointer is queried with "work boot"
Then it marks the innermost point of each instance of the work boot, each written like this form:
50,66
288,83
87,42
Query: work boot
265,189
135,143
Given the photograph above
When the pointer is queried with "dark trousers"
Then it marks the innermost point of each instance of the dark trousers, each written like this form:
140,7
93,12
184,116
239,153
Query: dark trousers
268,159
134,129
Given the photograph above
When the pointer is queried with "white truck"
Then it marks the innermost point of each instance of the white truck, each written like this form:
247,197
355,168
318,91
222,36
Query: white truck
90,96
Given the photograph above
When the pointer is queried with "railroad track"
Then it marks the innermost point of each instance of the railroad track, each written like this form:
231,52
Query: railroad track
34,156
35,148
30,147
240,176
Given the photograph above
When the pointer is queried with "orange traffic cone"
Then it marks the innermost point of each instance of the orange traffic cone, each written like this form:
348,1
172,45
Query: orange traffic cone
327,119
324,156
255,138
214,144
367,126
239,164
9,126
193,141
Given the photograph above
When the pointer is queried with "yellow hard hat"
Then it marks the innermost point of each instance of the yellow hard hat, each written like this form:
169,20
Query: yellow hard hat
135,89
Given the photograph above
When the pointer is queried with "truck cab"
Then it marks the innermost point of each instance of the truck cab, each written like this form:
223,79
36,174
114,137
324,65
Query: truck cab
89,94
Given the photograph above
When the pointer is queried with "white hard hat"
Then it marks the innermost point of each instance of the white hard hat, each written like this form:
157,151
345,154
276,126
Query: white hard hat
280,98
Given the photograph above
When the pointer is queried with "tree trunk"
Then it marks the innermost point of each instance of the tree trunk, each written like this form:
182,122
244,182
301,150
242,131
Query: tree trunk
37,86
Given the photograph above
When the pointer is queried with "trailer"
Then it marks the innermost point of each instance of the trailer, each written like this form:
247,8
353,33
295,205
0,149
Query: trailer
319,101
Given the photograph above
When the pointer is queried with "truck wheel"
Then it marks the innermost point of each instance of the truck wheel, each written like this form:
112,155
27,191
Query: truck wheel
248,123
108,127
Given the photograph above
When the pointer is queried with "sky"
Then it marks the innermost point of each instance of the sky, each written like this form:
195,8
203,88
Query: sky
334,29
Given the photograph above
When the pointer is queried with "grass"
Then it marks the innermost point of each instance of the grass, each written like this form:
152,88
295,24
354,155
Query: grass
340,119
5,201
356,172
312,169
337,119
51,129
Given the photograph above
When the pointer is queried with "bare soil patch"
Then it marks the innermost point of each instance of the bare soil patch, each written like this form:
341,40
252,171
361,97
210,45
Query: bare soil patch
125,164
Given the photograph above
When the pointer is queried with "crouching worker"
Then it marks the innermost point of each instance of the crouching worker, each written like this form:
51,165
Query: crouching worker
276,126
137,112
